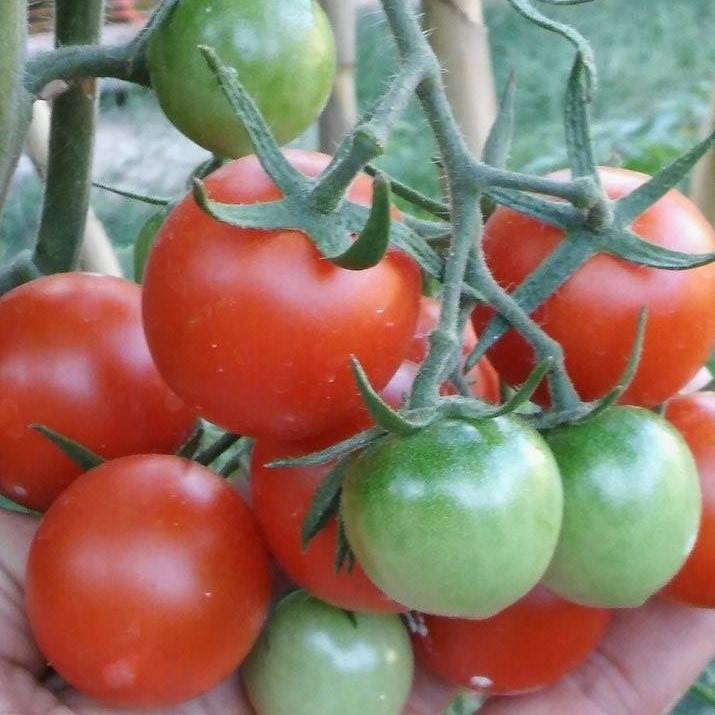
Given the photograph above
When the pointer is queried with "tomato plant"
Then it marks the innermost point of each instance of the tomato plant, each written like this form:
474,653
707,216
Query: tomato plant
631,508
254,329
282,51
74,358
314,658
529,645
594,314
694,416
147,583
458,519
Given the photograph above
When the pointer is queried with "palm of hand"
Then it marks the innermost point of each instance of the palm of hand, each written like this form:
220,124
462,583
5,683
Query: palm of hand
647,660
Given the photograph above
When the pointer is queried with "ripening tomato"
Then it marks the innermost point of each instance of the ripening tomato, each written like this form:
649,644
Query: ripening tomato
594,315
314,659
457,519
147,582
73,357
631,508
528,646
282,51
694,416
255,329
281,499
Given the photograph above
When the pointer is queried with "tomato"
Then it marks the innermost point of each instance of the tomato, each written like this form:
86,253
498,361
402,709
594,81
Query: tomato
528,646
282,51
694,416
594,315
314,658
281,499
147,583
458,519
254,329
631,508
145,240
73,357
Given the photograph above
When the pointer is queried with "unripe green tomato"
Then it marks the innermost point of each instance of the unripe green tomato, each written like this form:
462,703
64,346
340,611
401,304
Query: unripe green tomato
315,659
631,508
282,50
458,519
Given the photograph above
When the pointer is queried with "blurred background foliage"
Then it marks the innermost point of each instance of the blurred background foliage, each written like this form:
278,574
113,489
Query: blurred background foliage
656,60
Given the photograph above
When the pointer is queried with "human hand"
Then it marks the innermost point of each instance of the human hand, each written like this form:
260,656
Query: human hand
646,662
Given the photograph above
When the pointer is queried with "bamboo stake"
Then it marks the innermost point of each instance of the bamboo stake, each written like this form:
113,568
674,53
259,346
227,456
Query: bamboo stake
340,114
460,40
704,179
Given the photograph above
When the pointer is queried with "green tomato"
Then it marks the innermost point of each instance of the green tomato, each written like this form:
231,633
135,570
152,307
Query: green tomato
282,50
631,508
315,658
459,519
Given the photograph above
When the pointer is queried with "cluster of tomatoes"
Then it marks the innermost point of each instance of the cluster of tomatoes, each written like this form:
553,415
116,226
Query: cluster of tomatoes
149,578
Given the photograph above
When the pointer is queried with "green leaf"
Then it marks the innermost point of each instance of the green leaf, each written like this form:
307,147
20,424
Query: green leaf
79,454
188,449
415,197
344,556
325,504
371,245
577,122
215,450
555,214
262,139
634,204
634,249
336,451
569,255
525,392
629,373
134,195
145,241
381,412
525,8
498,144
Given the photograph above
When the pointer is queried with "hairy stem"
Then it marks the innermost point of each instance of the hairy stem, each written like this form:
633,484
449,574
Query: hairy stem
64,212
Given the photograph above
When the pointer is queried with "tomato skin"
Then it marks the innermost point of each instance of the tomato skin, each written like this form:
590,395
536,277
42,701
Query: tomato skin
526,647
594,315
282,50
314,658
147,582
73,357
694,417
631,508
281,499
254,329
458,519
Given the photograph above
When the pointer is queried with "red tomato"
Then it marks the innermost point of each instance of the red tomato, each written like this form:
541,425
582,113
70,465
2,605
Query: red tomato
694,416
281,499
73,357
594,314
527,646
147,583
254,328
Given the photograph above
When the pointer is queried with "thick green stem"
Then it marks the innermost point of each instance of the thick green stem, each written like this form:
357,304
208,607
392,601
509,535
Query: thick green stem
69,63
466,216
15,102
64,212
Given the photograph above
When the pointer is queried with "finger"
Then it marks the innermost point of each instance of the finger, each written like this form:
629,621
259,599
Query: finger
429,695
648,659
16,532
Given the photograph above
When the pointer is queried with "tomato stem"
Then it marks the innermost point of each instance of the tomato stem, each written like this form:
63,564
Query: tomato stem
72,130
